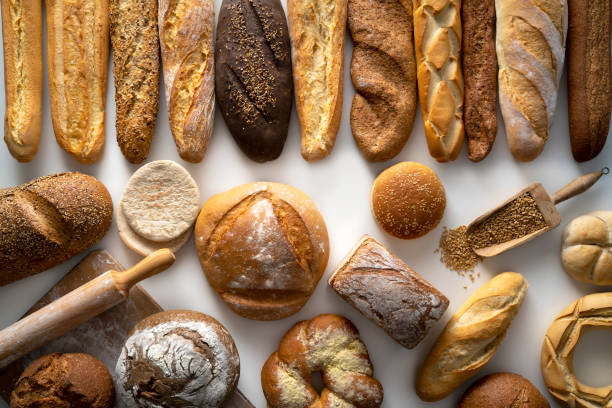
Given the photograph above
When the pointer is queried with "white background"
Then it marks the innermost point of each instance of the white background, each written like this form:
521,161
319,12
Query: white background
339,185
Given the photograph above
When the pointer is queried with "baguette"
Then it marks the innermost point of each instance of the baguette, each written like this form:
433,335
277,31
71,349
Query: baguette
317,31
135,40
77,64
588,76
23,76
471,337
186,32
437,39
383,71
530,45
49,220
479,62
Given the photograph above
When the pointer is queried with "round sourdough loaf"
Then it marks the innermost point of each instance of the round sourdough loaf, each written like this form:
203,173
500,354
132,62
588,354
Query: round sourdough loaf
503,390
263,248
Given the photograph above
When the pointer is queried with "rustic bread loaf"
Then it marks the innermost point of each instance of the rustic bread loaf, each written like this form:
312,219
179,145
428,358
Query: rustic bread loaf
253,75
49,220
530,46
186,36
589,76
317,29
135,40
437,40
503,390
23,76
77,64
471,337
263,248
383,71
386,291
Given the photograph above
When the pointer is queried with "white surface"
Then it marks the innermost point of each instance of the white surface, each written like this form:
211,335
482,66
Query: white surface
340,185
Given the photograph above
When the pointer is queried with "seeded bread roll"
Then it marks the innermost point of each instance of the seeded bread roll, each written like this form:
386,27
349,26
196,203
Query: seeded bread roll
23,76
507,390
253,75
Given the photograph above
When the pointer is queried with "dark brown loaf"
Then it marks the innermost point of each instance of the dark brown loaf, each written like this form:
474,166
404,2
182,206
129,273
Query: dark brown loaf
135,40
479,61
383,71
588,76
49,220
253,75
503,390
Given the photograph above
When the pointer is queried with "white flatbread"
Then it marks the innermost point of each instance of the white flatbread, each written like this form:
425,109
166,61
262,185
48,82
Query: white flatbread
161,201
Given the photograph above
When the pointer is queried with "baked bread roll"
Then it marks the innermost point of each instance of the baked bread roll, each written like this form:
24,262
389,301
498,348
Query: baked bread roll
471,337
383,71
135,39
586,252
23,76
49,220
530,46
263,248
506,390
253,75
437,40
588,76
186,36
77,64
317,30
479,62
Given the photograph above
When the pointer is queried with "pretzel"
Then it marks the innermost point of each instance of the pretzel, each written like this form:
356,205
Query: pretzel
329,344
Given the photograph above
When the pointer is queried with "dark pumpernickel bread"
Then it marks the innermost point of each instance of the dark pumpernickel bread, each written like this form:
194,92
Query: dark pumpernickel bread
503,390
253,75
71,380
49,220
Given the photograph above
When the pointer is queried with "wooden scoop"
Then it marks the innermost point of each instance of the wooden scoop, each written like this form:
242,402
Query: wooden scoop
546,206
76,307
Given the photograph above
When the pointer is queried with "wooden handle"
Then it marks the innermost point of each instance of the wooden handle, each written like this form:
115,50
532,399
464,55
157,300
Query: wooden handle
578,185
153,264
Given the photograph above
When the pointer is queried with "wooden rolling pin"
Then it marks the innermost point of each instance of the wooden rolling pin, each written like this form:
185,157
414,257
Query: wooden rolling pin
76,307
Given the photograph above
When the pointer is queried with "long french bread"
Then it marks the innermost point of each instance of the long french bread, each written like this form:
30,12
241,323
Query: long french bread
471,337
23,76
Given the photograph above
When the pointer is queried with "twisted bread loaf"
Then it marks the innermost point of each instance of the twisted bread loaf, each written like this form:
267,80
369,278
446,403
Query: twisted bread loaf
437,39
330,344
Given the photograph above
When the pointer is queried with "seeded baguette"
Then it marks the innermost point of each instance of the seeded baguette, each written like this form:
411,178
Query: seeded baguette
23,76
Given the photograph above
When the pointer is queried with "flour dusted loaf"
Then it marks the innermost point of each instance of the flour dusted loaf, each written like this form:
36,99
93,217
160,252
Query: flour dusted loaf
331,345
386,291
503,390
177,358
263,248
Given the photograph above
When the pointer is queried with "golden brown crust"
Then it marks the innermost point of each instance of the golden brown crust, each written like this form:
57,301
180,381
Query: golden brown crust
507,390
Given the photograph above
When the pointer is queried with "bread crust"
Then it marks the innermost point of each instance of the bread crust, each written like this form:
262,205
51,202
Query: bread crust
503,390
23,76
135,40
77,63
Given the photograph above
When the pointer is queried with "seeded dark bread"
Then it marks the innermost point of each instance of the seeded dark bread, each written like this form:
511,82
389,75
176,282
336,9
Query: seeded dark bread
49,220
503,390
253,75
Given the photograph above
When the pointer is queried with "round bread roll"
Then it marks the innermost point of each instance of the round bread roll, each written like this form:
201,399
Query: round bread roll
263,248
177,358
503,390
587,248
408,200
64,380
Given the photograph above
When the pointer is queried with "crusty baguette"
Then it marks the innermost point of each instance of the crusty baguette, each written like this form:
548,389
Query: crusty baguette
479,63
589,76
186,33
530,45
77,64
48,220
317,29
383,71
471,337
135,39
23,76
437,40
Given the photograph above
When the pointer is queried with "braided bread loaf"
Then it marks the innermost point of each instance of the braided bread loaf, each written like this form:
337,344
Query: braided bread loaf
328,343
437,39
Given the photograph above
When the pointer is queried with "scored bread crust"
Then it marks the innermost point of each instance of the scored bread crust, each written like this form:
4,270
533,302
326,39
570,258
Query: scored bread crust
23,76
77,64
186,33
135,40
318,71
